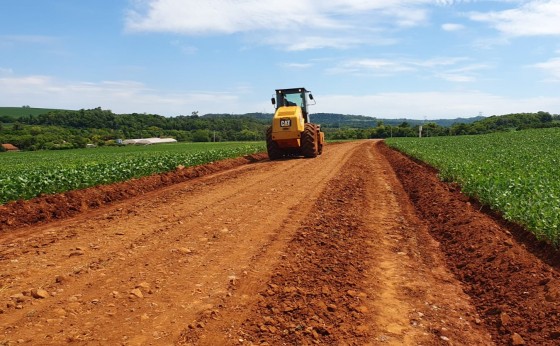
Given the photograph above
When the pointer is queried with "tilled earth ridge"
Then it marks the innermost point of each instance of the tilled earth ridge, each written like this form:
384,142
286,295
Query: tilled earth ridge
319,251
360,270
48,208
516,293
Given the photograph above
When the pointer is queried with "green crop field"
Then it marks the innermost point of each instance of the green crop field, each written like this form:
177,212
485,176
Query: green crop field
24,175
17,112
516,173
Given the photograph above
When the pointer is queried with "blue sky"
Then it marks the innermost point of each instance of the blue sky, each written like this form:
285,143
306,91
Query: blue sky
389,59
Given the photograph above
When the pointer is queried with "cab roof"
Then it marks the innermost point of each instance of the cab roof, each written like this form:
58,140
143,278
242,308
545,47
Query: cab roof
291,90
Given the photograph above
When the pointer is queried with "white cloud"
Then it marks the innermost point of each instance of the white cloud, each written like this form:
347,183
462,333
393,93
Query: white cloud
119,96
551,68
463,74
446,68
439,61
290,24
532,18
295,65
457,78
433,105
452,27
490,42
375,66
16,84
307,42
224,16
131,96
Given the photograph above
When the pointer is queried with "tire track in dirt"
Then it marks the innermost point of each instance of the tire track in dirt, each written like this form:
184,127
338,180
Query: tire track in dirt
149,264
361,269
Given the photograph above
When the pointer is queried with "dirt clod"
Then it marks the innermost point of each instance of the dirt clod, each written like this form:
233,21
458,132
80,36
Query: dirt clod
516,339
39,293
137,293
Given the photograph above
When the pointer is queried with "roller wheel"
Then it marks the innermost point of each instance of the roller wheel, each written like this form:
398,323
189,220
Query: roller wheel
309,141
319,142
274,152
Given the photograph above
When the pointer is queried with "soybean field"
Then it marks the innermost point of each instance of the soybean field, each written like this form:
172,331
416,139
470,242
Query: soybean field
24,175
516,173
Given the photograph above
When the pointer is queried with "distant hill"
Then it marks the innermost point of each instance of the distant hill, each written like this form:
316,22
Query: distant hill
359,121
336,120
18,112
333,120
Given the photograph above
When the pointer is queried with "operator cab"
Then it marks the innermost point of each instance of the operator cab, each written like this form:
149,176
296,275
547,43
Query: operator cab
293,97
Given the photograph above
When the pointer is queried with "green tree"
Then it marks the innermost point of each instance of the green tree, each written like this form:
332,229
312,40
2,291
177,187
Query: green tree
201,136
36,130
247,135
154,131
544,117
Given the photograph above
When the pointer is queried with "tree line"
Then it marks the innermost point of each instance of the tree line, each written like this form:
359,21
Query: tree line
63,129
496,123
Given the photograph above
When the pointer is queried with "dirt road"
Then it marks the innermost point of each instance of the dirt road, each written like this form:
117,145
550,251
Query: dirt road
304,251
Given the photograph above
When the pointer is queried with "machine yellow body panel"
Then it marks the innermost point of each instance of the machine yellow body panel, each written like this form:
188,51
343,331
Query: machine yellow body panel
287,125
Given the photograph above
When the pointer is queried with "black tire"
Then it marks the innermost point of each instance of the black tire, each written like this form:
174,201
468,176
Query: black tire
309,141
319,142
274,152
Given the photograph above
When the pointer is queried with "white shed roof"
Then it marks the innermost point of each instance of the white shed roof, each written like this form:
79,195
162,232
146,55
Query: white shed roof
147,141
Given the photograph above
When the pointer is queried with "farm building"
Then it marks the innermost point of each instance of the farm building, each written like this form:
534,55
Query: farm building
148,141
10,147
